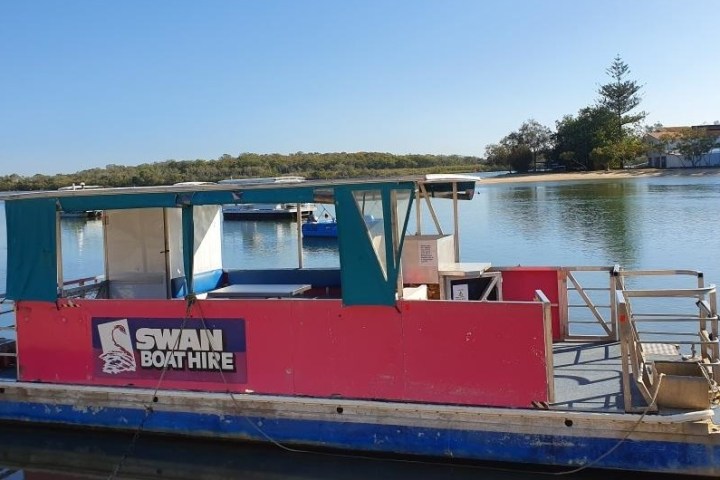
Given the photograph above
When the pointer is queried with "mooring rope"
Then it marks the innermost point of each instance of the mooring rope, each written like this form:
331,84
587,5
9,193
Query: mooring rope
148,407
297,450
235,401
191,301
622,440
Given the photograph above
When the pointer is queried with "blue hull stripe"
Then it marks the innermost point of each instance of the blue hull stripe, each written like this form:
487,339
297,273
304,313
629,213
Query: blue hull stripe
656,456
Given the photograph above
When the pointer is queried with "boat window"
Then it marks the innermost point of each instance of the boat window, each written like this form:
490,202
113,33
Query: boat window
369,202
81,260
136,252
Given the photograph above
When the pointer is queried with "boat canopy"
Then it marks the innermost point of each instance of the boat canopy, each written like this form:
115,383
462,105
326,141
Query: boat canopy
369,254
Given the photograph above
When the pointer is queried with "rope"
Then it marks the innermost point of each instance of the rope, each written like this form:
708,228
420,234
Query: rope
148,408
296,450
622,440
191,301
237,405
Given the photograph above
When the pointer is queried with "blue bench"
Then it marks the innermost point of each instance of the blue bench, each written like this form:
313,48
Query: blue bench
202,282
319,278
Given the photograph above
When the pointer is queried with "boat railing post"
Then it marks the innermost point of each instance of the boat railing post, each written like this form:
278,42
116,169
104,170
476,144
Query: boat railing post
58,254
298,220
563,303
614,276
456,224
709,347
438,227
712,298
418,213
547,327
624,333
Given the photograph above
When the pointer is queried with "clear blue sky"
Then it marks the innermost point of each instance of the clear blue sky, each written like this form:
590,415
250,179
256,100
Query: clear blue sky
84,84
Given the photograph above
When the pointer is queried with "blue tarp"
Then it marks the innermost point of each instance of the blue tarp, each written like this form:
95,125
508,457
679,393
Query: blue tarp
32,254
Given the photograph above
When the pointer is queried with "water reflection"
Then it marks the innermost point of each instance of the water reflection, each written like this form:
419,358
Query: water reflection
272,244
82,246
44,453
248,244
549,222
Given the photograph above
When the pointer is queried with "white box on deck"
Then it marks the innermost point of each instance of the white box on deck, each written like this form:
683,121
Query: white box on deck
422,255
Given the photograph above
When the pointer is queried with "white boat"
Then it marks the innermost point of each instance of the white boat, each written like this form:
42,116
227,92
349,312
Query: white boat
89,214
265,211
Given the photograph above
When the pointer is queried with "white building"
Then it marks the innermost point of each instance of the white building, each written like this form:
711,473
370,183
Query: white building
669,157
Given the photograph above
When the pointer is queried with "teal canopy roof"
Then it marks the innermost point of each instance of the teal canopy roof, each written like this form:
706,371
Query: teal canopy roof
32,226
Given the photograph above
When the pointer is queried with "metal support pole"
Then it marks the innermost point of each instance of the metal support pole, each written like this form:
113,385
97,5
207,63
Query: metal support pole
298,217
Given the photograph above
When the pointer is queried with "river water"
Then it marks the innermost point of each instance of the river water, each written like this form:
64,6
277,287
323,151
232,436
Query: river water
646,223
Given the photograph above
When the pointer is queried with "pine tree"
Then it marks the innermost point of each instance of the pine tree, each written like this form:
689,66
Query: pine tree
621,95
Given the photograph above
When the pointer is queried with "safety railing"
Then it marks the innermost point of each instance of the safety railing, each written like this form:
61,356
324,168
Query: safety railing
690,322
87,287
8,352
587,303
664,342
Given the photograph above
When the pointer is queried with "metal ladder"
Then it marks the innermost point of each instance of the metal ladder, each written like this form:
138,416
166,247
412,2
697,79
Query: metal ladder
670,356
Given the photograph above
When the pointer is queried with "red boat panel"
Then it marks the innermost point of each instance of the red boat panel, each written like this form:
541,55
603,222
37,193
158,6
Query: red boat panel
520,283
474,353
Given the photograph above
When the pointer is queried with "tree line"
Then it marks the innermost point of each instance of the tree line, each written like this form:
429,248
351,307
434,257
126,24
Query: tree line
309,165
606,135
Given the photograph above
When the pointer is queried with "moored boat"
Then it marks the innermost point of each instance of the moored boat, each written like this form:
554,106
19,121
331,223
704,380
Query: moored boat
326,227
403,349
86,215
266,211
320,229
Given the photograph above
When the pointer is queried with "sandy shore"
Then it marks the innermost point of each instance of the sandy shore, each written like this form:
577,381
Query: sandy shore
603,175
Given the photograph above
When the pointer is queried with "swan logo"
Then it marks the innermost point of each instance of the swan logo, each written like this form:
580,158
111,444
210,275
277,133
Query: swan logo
117,350
143,349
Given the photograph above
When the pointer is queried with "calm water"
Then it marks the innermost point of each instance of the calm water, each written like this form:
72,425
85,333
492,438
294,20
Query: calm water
669,222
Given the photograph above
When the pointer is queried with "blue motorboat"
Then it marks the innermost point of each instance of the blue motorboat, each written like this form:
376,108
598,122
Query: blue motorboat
320,229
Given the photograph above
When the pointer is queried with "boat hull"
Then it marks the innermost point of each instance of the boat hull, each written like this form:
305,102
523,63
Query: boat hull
319,230
280,215
551,438
266,212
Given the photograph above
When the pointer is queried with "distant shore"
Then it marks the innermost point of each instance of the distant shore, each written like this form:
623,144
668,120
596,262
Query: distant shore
602,175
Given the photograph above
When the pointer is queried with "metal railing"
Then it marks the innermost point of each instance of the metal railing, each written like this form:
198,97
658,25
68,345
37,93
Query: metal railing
87,287
692,328
588,310
657,342
7,345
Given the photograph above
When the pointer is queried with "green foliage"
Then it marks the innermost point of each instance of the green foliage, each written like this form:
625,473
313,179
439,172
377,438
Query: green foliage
510,153
598,137
309,165
618,153
693,144
577,137
497,157
520,158
621,95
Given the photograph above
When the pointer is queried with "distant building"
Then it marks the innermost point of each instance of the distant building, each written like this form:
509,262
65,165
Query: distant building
668,157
